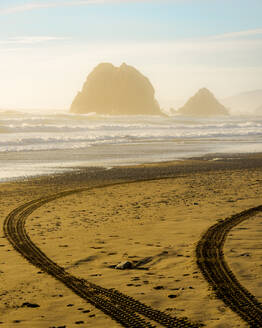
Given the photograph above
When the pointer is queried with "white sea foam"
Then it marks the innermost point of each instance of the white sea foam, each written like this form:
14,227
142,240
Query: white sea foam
68,140
20,132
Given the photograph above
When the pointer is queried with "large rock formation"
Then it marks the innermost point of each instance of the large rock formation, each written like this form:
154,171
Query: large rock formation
116,91
203,103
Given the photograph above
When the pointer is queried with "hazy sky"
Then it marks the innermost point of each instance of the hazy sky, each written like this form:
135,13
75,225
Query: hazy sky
47,48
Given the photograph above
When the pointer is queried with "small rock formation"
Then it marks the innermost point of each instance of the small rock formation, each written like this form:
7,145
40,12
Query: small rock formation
116,91
30,305
203,103
124,265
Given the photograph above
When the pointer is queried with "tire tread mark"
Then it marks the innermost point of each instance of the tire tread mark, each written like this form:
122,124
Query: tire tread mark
120,307
212,263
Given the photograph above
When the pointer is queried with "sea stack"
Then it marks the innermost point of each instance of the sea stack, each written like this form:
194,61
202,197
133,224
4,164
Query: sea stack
203,104
111,90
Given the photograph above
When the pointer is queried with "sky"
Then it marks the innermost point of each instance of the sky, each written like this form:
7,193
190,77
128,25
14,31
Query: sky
47,48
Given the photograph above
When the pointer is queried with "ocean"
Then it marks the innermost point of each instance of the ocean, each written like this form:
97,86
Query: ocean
33,144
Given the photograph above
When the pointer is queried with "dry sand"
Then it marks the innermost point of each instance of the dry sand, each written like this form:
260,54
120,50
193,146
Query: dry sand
160,219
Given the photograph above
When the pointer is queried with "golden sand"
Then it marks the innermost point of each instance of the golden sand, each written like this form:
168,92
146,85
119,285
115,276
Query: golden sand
157,221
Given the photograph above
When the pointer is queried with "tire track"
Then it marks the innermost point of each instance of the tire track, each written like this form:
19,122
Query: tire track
212,263
122,308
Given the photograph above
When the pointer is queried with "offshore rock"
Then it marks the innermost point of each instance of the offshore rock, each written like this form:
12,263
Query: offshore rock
203,103
111,90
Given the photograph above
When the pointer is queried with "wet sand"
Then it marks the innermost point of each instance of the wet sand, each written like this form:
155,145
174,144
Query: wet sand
157,222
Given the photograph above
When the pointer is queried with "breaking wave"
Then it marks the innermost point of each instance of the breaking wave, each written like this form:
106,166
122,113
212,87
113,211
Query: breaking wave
26,132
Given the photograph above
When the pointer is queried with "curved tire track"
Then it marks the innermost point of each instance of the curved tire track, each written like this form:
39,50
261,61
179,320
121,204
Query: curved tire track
212,263
120,307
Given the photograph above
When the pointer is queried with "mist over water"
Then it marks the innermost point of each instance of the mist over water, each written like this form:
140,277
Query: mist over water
32,144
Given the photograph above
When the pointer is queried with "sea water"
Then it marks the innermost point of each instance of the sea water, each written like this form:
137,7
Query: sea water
49,142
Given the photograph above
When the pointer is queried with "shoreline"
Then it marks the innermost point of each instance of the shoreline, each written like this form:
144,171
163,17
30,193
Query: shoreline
41,162
185,162
160,215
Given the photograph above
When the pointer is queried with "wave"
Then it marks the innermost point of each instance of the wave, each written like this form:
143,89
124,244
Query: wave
73,142
52,124
25,132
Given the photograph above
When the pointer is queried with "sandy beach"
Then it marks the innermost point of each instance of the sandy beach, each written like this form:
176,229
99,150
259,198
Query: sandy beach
152,215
